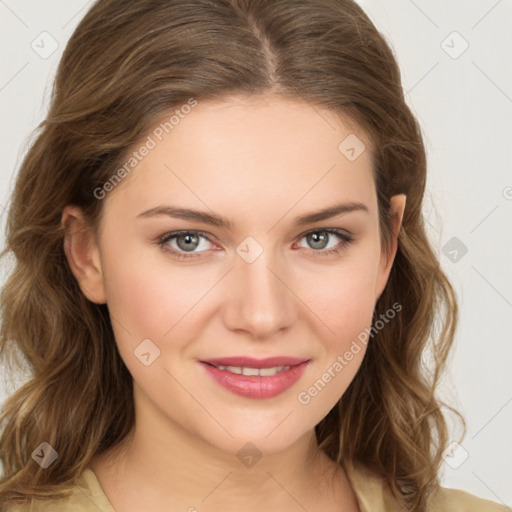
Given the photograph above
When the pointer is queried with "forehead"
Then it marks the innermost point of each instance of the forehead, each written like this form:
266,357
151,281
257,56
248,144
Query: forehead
251,153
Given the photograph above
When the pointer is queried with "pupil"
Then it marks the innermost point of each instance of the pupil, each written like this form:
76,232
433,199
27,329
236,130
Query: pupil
318,238
188,240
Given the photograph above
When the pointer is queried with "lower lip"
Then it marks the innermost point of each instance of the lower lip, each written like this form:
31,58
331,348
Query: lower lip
252,386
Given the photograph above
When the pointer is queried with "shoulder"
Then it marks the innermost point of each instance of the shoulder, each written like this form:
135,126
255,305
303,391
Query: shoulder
85,496
373,495
455,500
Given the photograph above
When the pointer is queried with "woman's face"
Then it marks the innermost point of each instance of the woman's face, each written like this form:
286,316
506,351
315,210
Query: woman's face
256,274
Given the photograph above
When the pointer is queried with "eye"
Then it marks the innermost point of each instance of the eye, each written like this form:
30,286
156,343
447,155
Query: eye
318,240
182,242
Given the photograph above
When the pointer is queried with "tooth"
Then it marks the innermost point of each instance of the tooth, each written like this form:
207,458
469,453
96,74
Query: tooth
250,371
234,369
268,372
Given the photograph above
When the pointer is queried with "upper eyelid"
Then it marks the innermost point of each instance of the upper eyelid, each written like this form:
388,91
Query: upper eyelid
174,234
326,228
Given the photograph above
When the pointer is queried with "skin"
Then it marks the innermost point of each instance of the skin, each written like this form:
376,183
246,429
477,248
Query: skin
260,162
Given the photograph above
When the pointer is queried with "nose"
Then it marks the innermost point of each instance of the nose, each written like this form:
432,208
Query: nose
259,298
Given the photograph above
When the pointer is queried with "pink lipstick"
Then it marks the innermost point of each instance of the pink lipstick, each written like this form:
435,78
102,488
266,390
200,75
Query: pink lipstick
256,378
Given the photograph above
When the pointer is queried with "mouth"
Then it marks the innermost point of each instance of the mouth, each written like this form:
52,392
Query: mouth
256,378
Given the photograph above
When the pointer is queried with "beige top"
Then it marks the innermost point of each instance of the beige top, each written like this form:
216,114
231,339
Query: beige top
372,496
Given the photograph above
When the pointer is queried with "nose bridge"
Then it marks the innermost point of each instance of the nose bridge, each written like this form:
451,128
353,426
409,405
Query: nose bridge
260,301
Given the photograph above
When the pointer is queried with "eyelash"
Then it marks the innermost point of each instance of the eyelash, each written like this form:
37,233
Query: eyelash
346,240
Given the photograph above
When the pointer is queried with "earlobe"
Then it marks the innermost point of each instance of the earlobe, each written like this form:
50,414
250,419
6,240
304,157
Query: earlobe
397,208
83,254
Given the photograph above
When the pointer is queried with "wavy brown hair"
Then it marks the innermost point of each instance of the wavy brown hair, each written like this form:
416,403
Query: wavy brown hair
126,65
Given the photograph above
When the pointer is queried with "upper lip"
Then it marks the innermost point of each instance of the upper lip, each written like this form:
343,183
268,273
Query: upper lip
251,362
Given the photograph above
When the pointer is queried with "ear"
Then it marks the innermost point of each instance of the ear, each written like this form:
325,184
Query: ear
83,255
387,258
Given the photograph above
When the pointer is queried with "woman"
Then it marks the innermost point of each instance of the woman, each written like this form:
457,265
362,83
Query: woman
223,284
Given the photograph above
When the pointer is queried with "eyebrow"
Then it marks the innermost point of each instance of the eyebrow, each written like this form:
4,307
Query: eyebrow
217,220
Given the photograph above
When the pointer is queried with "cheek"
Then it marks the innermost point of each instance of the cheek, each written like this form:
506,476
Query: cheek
150,300
342,296
148,296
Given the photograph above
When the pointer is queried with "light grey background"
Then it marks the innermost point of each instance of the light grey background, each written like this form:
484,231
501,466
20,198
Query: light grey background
463,100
